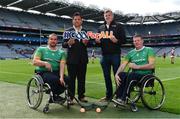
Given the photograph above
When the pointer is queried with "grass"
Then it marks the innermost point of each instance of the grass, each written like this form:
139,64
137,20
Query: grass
20,71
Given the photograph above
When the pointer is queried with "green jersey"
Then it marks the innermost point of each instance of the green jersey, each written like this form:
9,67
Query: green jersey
45,53
141,57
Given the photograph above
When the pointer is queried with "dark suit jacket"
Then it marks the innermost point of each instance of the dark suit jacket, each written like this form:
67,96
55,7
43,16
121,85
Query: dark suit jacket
77,53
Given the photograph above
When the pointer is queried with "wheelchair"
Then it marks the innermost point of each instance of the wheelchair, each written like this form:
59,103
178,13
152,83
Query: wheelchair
149,89
35,90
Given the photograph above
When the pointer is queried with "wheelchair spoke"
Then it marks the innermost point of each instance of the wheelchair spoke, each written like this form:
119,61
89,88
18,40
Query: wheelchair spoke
34,100
153,94
155,100
147,96
34,92
157,86
134,89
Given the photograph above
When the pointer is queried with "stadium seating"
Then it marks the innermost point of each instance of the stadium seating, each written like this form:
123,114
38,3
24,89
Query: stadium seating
20,19
5,52
26,51
154,29
24,19
15,51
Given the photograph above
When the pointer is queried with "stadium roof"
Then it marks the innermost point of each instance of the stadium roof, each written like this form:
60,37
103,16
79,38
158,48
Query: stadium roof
61,8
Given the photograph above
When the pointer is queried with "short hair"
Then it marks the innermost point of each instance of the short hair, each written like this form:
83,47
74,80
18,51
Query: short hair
108,10
138,36
52,34
76,14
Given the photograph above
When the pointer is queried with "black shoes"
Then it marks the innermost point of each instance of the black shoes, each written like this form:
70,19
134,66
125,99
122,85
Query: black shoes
57,99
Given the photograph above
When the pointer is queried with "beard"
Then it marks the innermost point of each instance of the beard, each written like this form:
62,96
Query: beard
53,45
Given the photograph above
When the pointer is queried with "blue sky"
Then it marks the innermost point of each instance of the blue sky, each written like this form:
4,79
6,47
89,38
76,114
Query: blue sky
142,7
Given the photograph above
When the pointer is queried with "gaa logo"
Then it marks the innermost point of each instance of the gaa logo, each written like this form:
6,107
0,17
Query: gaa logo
75,35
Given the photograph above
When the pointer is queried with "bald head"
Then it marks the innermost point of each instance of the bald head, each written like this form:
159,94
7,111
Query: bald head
52,40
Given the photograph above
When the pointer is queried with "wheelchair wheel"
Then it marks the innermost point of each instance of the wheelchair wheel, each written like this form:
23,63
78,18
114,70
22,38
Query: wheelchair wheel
153,93
134,90
34,92
46,109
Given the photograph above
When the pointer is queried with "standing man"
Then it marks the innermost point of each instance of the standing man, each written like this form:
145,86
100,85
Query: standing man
164,56
93,56
111,49
172,55
77,58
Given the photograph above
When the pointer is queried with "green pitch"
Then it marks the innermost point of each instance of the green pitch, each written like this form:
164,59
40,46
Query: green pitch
20,71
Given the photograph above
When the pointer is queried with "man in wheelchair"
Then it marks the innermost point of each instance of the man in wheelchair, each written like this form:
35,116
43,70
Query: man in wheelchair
50,65
142,62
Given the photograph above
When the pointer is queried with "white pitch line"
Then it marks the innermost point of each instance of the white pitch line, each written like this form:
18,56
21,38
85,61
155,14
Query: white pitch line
14,73
168,79
95,83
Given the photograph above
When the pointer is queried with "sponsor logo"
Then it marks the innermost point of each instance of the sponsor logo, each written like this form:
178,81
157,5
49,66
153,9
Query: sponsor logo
86,35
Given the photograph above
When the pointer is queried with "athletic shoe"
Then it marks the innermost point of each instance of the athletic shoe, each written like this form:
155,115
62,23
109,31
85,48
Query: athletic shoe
120,102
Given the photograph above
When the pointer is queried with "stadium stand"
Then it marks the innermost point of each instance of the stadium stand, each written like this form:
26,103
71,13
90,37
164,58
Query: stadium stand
21,31
16,51
5,52
29,20
154,29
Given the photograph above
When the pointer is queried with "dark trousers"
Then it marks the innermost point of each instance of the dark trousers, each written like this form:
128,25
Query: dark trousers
106,62
77,71
52,78
125,81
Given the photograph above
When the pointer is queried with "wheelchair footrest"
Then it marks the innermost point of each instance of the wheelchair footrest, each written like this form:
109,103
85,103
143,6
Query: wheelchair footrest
119,104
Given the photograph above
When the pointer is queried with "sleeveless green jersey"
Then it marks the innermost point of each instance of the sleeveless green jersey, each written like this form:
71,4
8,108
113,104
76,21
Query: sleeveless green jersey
50,56
140,57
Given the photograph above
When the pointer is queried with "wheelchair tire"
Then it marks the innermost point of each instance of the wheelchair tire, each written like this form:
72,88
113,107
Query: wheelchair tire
34,89
152,93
